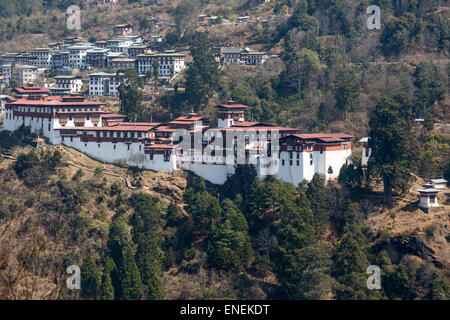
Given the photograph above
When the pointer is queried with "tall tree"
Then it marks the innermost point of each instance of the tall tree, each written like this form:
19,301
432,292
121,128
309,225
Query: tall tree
430,89
203,75
106,287
301,69
130,278
350,261
90,279
145,221
130,94
308,274
317,197
346,90
155,68
393,145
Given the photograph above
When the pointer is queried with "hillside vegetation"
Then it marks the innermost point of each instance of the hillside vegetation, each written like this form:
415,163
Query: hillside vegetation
150,235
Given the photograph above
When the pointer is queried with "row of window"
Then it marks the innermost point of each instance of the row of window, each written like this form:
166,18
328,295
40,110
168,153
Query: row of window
291,162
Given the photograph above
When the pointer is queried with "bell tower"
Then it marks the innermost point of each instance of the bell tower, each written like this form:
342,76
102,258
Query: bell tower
229,114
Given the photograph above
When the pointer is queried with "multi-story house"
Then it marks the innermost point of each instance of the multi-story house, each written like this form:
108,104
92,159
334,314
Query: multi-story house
77,55
72,83
103,84
8,58
60,60
96,57
111,55
232,55
169,63
23,59
122,63
122,29
243,56
253,58
41,57
101,44
71,40
136,50
23,74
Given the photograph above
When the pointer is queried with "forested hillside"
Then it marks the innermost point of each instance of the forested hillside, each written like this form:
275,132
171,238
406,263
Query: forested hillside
135,237
140,235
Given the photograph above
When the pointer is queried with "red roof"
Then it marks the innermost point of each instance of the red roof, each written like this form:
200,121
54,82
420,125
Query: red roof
246,124
181,122
150,124
232,106
322,135
166,129
258,128
112,115
111,128
161,146
188,118
55,101
32,90
331,139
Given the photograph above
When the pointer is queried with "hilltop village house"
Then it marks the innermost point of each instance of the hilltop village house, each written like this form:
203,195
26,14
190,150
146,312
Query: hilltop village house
243,56
122,29
72,84
22,73
104,84
169,63
186,143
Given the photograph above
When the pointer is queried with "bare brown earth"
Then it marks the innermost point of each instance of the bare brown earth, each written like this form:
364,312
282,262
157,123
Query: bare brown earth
167,186
407,223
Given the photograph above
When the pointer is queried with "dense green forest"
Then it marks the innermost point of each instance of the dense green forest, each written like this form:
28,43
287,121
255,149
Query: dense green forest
310,241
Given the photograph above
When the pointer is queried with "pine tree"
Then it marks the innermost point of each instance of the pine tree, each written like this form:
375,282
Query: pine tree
110,286
155,289
170,258
130,278
394,149
106,287
148,259
203,75
90,280
350,261
317,197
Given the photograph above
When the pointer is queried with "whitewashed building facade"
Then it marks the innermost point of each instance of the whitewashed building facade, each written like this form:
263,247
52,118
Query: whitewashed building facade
186,143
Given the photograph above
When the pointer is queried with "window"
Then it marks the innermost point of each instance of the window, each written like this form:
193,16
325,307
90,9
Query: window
311,162
282,162
290,162
298,163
